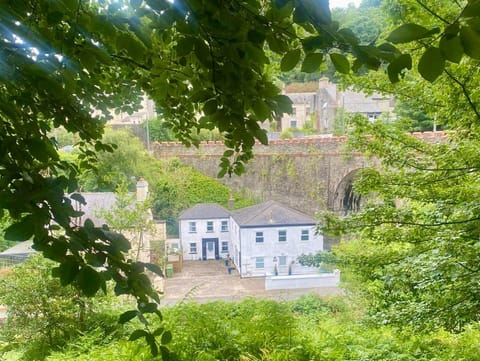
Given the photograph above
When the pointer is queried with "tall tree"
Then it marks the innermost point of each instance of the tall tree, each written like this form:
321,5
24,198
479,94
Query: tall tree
414,245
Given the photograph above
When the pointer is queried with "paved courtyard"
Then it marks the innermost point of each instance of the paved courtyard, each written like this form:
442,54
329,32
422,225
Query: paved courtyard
204,281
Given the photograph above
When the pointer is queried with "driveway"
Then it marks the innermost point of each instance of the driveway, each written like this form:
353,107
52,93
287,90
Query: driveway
204,281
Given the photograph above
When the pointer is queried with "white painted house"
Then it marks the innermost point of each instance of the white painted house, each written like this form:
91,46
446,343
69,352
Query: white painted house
204,232
262,240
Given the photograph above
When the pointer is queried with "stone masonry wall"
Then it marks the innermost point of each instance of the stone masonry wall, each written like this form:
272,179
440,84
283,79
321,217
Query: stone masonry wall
304,173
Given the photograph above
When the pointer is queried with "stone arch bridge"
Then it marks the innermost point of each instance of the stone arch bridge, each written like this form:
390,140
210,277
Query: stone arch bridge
309,174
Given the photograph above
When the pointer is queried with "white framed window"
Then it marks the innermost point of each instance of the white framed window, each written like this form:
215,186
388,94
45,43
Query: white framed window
224,226
305,235
259,262
258,237
209,226
224,246
193,248
293,123
192,227
282,235
282,260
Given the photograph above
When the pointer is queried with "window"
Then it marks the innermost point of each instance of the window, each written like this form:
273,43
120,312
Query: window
259,263
193,248
282,260
259,237
224,226
209,226
294,110
305,235
282,236
192,227
224,247
293,123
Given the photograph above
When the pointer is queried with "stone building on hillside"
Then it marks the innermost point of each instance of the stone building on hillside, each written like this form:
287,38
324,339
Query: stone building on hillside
322,102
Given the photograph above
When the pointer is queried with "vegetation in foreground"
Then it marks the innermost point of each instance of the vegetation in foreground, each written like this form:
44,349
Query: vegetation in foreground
310,328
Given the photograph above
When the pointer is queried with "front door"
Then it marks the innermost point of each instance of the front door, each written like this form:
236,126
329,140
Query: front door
210,248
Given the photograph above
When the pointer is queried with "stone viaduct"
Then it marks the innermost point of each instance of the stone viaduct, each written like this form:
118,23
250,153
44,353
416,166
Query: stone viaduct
309,174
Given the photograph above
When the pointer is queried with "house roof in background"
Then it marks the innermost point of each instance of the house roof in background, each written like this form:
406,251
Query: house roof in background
21,248
205,211
309,87
96,201
269,214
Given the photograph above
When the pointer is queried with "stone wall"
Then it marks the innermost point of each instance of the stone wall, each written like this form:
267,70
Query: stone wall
305,173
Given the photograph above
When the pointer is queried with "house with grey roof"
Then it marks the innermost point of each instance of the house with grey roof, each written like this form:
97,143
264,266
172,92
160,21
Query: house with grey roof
261,240
204,231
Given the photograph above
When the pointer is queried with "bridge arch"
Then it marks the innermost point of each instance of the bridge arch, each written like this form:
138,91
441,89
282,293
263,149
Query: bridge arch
345,200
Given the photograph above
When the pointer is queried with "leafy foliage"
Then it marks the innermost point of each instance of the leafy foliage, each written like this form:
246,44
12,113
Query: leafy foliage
43,314
309,328
61,61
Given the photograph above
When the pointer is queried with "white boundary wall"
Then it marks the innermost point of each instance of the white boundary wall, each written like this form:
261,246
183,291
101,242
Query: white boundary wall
302,281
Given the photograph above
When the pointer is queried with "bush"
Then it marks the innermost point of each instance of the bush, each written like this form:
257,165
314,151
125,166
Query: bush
42,314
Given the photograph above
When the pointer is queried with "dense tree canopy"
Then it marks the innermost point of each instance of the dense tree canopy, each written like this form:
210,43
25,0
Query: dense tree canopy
414,246
205,64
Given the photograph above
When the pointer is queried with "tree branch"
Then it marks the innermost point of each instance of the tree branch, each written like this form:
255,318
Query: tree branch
465,92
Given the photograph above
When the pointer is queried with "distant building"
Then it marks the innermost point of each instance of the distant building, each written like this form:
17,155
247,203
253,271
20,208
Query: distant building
321,103
146,111
260,240
142,240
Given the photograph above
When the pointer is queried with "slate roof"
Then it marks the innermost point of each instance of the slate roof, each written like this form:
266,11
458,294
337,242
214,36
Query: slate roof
96,201
205,211
22,248
271,213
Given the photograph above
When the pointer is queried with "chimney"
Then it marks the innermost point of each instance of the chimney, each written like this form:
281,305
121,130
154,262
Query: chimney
231,202
142,190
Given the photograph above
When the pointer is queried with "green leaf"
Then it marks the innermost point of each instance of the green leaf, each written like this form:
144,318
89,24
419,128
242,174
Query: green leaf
165,353
54,17
210,107
410,32
202,53
158,331
135,335
261,135
89,280
166,337
154,268
184,46
20,231
340,62
68,271
472,9
149,307
261,109
127,316
470,41
396,67
133,47
431,64
78,197
284,103
290,60
451,48
312,62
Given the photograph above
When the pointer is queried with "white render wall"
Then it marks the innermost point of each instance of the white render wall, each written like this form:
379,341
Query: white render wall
271,248
201,224
302,281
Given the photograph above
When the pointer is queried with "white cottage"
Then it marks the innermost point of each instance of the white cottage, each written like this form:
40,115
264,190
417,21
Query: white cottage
262,240
205,232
